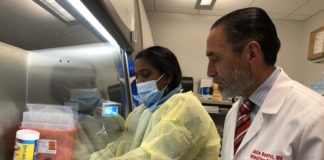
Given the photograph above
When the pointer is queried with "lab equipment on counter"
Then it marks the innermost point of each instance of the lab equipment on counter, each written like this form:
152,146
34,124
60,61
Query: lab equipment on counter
187,84
110,108
205,98
26,145
216,93
206,86
56,127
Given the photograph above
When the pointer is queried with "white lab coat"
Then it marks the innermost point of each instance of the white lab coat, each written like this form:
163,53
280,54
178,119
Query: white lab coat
288,126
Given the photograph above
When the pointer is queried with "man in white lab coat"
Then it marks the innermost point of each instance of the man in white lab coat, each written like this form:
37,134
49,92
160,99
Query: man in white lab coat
286,121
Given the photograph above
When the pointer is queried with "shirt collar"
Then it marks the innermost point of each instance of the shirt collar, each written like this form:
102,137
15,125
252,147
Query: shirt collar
258,96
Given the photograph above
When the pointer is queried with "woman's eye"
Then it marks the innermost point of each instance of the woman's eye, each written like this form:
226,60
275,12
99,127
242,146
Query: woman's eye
145,74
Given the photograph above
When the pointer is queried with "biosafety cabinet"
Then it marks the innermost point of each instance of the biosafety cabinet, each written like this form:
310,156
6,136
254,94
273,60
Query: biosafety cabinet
45,54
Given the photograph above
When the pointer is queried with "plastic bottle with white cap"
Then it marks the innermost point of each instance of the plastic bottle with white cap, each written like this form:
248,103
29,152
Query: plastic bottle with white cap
26,145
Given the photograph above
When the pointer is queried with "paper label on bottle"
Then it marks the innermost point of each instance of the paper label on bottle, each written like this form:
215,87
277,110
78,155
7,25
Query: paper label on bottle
48,146
25,149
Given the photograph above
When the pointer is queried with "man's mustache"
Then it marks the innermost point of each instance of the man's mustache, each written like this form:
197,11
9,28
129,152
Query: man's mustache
218,80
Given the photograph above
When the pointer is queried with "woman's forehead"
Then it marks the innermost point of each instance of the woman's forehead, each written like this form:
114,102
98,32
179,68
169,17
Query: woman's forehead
142,63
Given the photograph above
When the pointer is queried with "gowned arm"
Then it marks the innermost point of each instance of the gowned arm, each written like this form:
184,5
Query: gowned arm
108,152
167,140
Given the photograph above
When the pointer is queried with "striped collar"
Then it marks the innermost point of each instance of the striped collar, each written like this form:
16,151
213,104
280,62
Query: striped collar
258,96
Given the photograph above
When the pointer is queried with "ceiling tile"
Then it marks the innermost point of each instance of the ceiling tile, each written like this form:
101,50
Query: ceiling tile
311,8
279,6
297,17
176,10
223,7
176,3
275,15
218,12
277,9
231,5
223,12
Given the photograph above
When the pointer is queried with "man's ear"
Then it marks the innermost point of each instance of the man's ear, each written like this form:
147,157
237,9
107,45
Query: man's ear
254,51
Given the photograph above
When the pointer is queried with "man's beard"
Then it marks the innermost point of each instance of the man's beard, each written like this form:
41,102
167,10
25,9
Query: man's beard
235,83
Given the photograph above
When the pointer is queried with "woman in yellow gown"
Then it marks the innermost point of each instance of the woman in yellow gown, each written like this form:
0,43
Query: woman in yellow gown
169,124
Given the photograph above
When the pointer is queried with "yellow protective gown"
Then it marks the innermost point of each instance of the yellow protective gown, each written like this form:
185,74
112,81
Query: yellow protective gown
179,129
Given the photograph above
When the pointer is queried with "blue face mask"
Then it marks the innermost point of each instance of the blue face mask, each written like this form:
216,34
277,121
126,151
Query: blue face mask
148,92
87,99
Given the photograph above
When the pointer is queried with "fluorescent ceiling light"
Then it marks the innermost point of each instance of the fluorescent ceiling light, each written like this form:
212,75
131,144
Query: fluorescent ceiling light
57,10
205,2
79,6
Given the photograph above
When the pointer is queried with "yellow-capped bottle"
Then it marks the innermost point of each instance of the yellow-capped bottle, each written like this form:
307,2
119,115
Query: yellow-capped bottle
26,145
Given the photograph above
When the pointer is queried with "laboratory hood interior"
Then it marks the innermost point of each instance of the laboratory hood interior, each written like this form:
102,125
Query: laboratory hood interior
44,56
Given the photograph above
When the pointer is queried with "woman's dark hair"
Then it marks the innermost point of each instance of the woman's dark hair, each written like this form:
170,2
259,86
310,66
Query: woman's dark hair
248,24
164,61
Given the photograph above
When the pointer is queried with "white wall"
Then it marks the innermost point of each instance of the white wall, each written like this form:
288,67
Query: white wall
290,54
186,35
311,71
146,29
